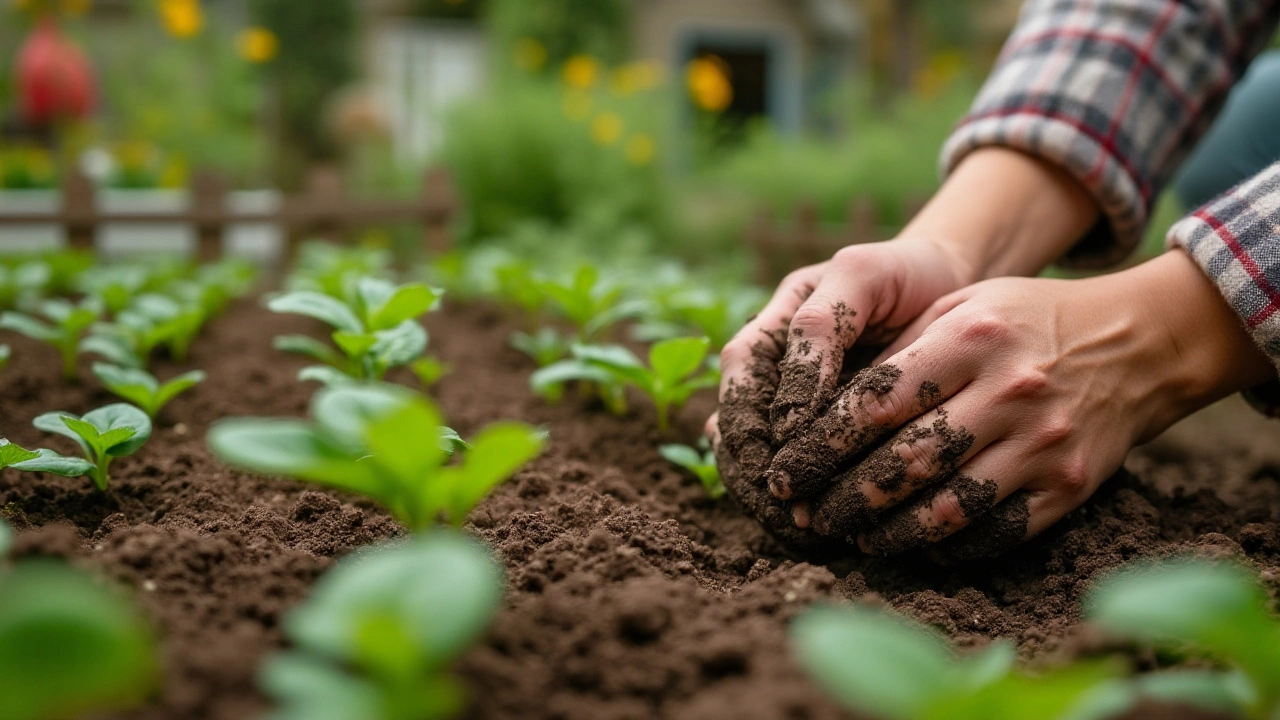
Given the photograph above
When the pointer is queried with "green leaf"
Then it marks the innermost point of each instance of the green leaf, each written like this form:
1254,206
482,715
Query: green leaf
1213,691
493,456
308,347
325,375
28,326
987,666
451,442
344,414
873,662
119,416
11,454
177,386
112,347
682,455
51,422
613,316
68,646
612,356
674,360
5,354
1053,694
55,464
407,441
429,370
319,306
292,449
354,344
400,345
6,538
550,378
402,583
307,688
408,302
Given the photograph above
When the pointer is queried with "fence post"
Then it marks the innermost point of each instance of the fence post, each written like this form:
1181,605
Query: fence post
439,200
79,208
209,211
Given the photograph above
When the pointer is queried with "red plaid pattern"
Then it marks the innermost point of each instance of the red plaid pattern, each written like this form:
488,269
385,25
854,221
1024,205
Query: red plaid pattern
1117,92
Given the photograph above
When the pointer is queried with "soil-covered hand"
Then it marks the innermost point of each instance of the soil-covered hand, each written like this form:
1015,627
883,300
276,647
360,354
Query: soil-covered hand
1006,404
782,368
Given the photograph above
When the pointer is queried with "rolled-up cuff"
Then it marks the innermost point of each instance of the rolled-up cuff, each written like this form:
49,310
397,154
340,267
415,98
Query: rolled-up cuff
1236,241
1102,173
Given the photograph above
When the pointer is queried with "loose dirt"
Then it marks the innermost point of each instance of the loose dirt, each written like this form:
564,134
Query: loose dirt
631,595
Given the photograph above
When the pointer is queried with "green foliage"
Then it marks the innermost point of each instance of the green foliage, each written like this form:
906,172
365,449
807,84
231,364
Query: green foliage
675,371
591,303
545,346
5,352
23,284
375,440
700,462
104,434
335,270
564,28
114,285
377,636
68,645
61,323
518,287
429,370
141,387
377,330
11,455
718,315
1215,608
888,667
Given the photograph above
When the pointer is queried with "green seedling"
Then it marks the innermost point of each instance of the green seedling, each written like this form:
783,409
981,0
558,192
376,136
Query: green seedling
23,284
68,645
429,370
885,666
62,324
378,634
335,270
700,311
377,331
590,303
142,388
675,371
151,320
384,442
114,285
518,286
1214,608
545,346
11,455
699,461
104,434
65,268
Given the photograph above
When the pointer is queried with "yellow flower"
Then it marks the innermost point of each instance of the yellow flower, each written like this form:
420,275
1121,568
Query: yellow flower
577,105
639,150
579,72
257,44
529,54
635,77
709,85
182,18
606,128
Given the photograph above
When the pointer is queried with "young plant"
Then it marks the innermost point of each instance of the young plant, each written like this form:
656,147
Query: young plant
699,461
379,632
1214,608
22,284
377,331
675,371
590,303
129,341
68,645
62,324
545,346
11,455
384,442
334,270
142,388
518,286
885,666
104,434
429,370
114,285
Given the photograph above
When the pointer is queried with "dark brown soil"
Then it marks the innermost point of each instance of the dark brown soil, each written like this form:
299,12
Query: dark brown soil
632,595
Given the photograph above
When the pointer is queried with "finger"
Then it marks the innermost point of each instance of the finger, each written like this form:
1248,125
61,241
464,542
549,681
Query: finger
749,364
711,430
991,476
772,514
827,324
873,404
1004,528
915,329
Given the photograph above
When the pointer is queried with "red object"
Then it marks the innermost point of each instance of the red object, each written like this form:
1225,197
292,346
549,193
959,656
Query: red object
54,79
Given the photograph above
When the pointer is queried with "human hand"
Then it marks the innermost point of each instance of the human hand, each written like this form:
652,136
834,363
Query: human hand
1012,400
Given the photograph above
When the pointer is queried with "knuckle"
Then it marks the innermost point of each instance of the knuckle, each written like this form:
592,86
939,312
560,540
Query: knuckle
1055,430
921,461
947,513
1026,385
850,256
735,354
810,317
1073,477
883,409
985,328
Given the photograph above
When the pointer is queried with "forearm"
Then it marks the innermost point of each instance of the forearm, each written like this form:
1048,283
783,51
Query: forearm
1002,212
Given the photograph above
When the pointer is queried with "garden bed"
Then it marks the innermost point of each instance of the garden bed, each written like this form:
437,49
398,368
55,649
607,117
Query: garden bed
632,595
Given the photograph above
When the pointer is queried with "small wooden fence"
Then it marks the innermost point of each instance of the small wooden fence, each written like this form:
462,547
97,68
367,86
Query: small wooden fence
323,209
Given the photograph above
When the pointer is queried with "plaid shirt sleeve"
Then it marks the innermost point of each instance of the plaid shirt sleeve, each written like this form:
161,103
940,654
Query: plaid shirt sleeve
1115,92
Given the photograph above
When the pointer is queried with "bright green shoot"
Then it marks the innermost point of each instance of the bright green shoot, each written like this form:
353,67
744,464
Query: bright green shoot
142,388
429,370
61,323
675,371
151,320
592,304
885,666
103,435
1216,608
379,330
11,455
518,286
68,645
700,462
384,442
114,285
22,284
545,346
377,635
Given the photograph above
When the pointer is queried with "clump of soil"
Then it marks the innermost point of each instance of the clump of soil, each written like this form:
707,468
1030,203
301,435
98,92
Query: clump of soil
631,594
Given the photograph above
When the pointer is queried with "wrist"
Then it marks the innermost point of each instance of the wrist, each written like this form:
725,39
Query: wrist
1199,346
1002,213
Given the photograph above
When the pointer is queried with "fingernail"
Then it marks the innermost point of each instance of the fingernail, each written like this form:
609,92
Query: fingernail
800,513
779,484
